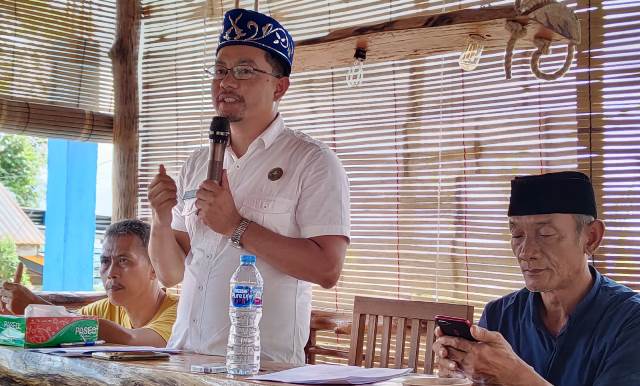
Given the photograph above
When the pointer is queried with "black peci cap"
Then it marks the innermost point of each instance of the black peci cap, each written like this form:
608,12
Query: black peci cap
560,192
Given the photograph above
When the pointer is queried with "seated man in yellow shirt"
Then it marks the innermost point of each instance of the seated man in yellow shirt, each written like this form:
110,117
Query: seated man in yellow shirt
137,310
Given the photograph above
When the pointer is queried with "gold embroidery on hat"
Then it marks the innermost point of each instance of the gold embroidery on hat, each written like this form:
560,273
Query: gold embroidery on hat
234,26
267,30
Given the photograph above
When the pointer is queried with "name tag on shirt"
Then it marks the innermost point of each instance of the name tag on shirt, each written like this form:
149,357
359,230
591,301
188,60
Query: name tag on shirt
189,195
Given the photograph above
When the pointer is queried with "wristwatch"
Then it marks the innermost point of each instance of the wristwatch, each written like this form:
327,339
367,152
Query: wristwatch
238,232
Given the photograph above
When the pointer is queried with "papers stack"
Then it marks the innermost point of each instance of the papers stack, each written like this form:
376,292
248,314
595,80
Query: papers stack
86,351
332,374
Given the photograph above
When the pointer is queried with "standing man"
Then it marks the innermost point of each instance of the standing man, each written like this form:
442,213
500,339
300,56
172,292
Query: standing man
570,325
284,198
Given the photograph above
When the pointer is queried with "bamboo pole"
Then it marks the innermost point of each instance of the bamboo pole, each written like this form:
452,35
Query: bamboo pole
124,55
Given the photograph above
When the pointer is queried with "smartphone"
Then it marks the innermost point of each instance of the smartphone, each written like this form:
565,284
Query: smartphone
452,326
129,355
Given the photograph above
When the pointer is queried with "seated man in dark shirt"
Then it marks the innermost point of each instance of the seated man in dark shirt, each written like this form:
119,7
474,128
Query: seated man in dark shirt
570,325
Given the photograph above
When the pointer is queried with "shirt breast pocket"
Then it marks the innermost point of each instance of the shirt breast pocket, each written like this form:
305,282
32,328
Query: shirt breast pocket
275,214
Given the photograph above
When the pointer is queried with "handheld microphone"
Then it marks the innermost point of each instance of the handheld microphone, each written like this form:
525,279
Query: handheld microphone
218,140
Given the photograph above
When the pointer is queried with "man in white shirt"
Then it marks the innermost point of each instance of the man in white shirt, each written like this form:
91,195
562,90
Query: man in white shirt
284,198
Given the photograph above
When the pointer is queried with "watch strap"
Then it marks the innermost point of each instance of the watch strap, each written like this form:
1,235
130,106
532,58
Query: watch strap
238,232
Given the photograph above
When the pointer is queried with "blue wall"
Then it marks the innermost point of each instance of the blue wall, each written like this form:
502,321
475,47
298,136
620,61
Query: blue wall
70,218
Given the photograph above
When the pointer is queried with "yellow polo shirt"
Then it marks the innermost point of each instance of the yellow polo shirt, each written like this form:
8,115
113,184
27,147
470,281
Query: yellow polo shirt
162,322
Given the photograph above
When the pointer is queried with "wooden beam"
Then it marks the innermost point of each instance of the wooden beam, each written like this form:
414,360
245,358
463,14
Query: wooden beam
415,37
124,55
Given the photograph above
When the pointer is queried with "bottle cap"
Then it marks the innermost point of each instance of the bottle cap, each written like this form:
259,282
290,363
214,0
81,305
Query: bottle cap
247,259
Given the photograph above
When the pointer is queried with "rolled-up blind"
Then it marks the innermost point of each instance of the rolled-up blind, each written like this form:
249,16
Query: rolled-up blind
53,121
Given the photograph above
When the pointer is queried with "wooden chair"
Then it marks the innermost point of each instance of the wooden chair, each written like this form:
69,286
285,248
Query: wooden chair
329,321
418,315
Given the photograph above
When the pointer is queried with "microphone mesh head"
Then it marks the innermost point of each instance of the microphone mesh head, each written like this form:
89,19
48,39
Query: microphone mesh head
219,130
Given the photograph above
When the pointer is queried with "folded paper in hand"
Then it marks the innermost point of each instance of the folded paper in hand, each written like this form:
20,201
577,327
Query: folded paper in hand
333,374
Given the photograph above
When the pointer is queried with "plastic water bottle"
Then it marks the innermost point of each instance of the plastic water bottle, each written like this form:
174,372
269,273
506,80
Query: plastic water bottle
245,310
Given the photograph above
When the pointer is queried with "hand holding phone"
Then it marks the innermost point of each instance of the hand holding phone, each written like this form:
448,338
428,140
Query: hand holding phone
452,326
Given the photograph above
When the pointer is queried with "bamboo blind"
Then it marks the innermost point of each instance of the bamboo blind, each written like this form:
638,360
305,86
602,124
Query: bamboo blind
429,149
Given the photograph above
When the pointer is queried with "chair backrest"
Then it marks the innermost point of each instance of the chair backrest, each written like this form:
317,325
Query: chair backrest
396,315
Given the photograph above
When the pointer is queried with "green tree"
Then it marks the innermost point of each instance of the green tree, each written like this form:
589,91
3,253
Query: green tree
21,159
8,259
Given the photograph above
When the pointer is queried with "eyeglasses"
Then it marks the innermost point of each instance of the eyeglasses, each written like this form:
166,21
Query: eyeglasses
240,72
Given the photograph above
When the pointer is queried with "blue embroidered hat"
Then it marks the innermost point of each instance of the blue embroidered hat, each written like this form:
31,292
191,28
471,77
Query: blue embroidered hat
245,27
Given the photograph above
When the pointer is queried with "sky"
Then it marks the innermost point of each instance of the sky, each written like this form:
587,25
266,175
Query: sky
103,179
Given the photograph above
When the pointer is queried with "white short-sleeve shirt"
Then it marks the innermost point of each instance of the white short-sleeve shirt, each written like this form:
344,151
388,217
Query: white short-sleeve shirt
311,198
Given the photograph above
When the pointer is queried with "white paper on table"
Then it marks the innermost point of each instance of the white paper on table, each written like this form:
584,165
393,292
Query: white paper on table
85,351
332,374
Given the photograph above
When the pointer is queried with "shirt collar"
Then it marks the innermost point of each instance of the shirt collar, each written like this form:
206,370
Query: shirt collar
534,302
585,303
268,137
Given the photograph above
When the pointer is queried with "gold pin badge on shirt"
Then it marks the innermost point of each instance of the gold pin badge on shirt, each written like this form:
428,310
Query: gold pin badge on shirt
275,174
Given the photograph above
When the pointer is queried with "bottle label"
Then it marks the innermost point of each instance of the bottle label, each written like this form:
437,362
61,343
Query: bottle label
244,296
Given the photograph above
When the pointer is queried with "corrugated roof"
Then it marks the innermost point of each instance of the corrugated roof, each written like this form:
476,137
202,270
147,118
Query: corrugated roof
15,223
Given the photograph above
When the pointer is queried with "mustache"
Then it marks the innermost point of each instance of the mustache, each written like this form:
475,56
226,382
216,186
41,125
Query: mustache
112,285
229,95
531,268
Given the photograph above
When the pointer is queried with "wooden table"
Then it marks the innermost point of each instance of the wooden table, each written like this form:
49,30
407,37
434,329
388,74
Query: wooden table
23,367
